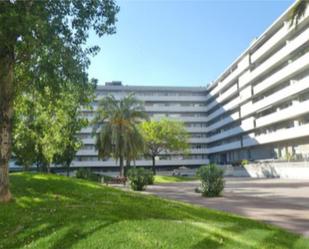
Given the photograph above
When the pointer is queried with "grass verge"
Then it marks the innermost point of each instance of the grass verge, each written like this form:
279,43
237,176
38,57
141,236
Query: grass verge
171,179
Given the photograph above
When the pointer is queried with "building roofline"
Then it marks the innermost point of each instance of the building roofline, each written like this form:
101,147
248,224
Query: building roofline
253,44
152,88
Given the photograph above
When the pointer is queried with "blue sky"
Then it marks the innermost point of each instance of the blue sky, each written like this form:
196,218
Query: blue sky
180,42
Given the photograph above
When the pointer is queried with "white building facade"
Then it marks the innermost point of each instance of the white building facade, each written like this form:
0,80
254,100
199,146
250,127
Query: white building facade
258,109
186,104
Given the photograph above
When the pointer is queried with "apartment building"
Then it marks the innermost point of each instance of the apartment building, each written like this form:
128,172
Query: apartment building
257,109
186,104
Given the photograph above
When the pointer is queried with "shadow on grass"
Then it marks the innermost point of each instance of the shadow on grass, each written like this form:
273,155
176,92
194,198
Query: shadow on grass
70,204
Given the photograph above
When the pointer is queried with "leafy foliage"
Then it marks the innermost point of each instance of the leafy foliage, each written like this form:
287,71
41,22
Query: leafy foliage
87,174
150,176
43,45
140,178
212,182
164,135
119,135
244,162
45,129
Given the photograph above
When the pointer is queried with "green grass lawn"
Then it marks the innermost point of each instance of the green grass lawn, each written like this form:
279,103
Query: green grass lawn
59,213
167,179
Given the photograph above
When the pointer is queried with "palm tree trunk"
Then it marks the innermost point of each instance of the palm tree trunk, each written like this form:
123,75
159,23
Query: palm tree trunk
154,165
6,114
121,173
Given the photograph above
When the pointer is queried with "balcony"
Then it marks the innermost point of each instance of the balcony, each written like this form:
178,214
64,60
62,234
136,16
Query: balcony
198,151
242,65
225,134
189,119
271,42
227,93
196,140
278,57
175,108
247,124
112,163
225,147
223,122
291,69
279,135
230,105
87,153
196,129
278,36
222,97
281,115
89,140
157,98
291,90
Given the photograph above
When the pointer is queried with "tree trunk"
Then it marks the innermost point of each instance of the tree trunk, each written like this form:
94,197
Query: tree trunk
6,114
154,165
128,166
121,173
68,170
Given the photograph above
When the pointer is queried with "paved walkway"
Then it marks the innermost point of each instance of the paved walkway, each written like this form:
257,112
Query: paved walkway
278,201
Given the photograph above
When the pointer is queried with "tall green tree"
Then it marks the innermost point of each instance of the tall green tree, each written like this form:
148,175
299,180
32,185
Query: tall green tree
43,43
72,103
45,129
164,135
117,122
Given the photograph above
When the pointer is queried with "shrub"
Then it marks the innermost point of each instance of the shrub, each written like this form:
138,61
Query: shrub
88,175
150,176
244,162
83,173
139,178
236,163
212,182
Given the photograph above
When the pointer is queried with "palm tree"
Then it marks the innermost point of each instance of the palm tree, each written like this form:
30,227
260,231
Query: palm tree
118,134
298,11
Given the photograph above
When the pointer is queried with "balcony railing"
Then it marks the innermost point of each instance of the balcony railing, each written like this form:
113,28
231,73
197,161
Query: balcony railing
276,136
278,57
222,122
225,147
278,36
225,134
112,163
291,90
293,68
287,113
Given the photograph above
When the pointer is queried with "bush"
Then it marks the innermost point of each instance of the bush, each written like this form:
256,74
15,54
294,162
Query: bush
88,175
150,177
244,162
140,178
212,182
236,163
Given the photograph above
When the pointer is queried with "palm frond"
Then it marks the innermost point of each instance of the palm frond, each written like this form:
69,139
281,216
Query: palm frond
298,11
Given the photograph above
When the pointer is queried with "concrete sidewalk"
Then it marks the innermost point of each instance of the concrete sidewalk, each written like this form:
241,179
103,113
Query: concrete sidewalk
281,202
